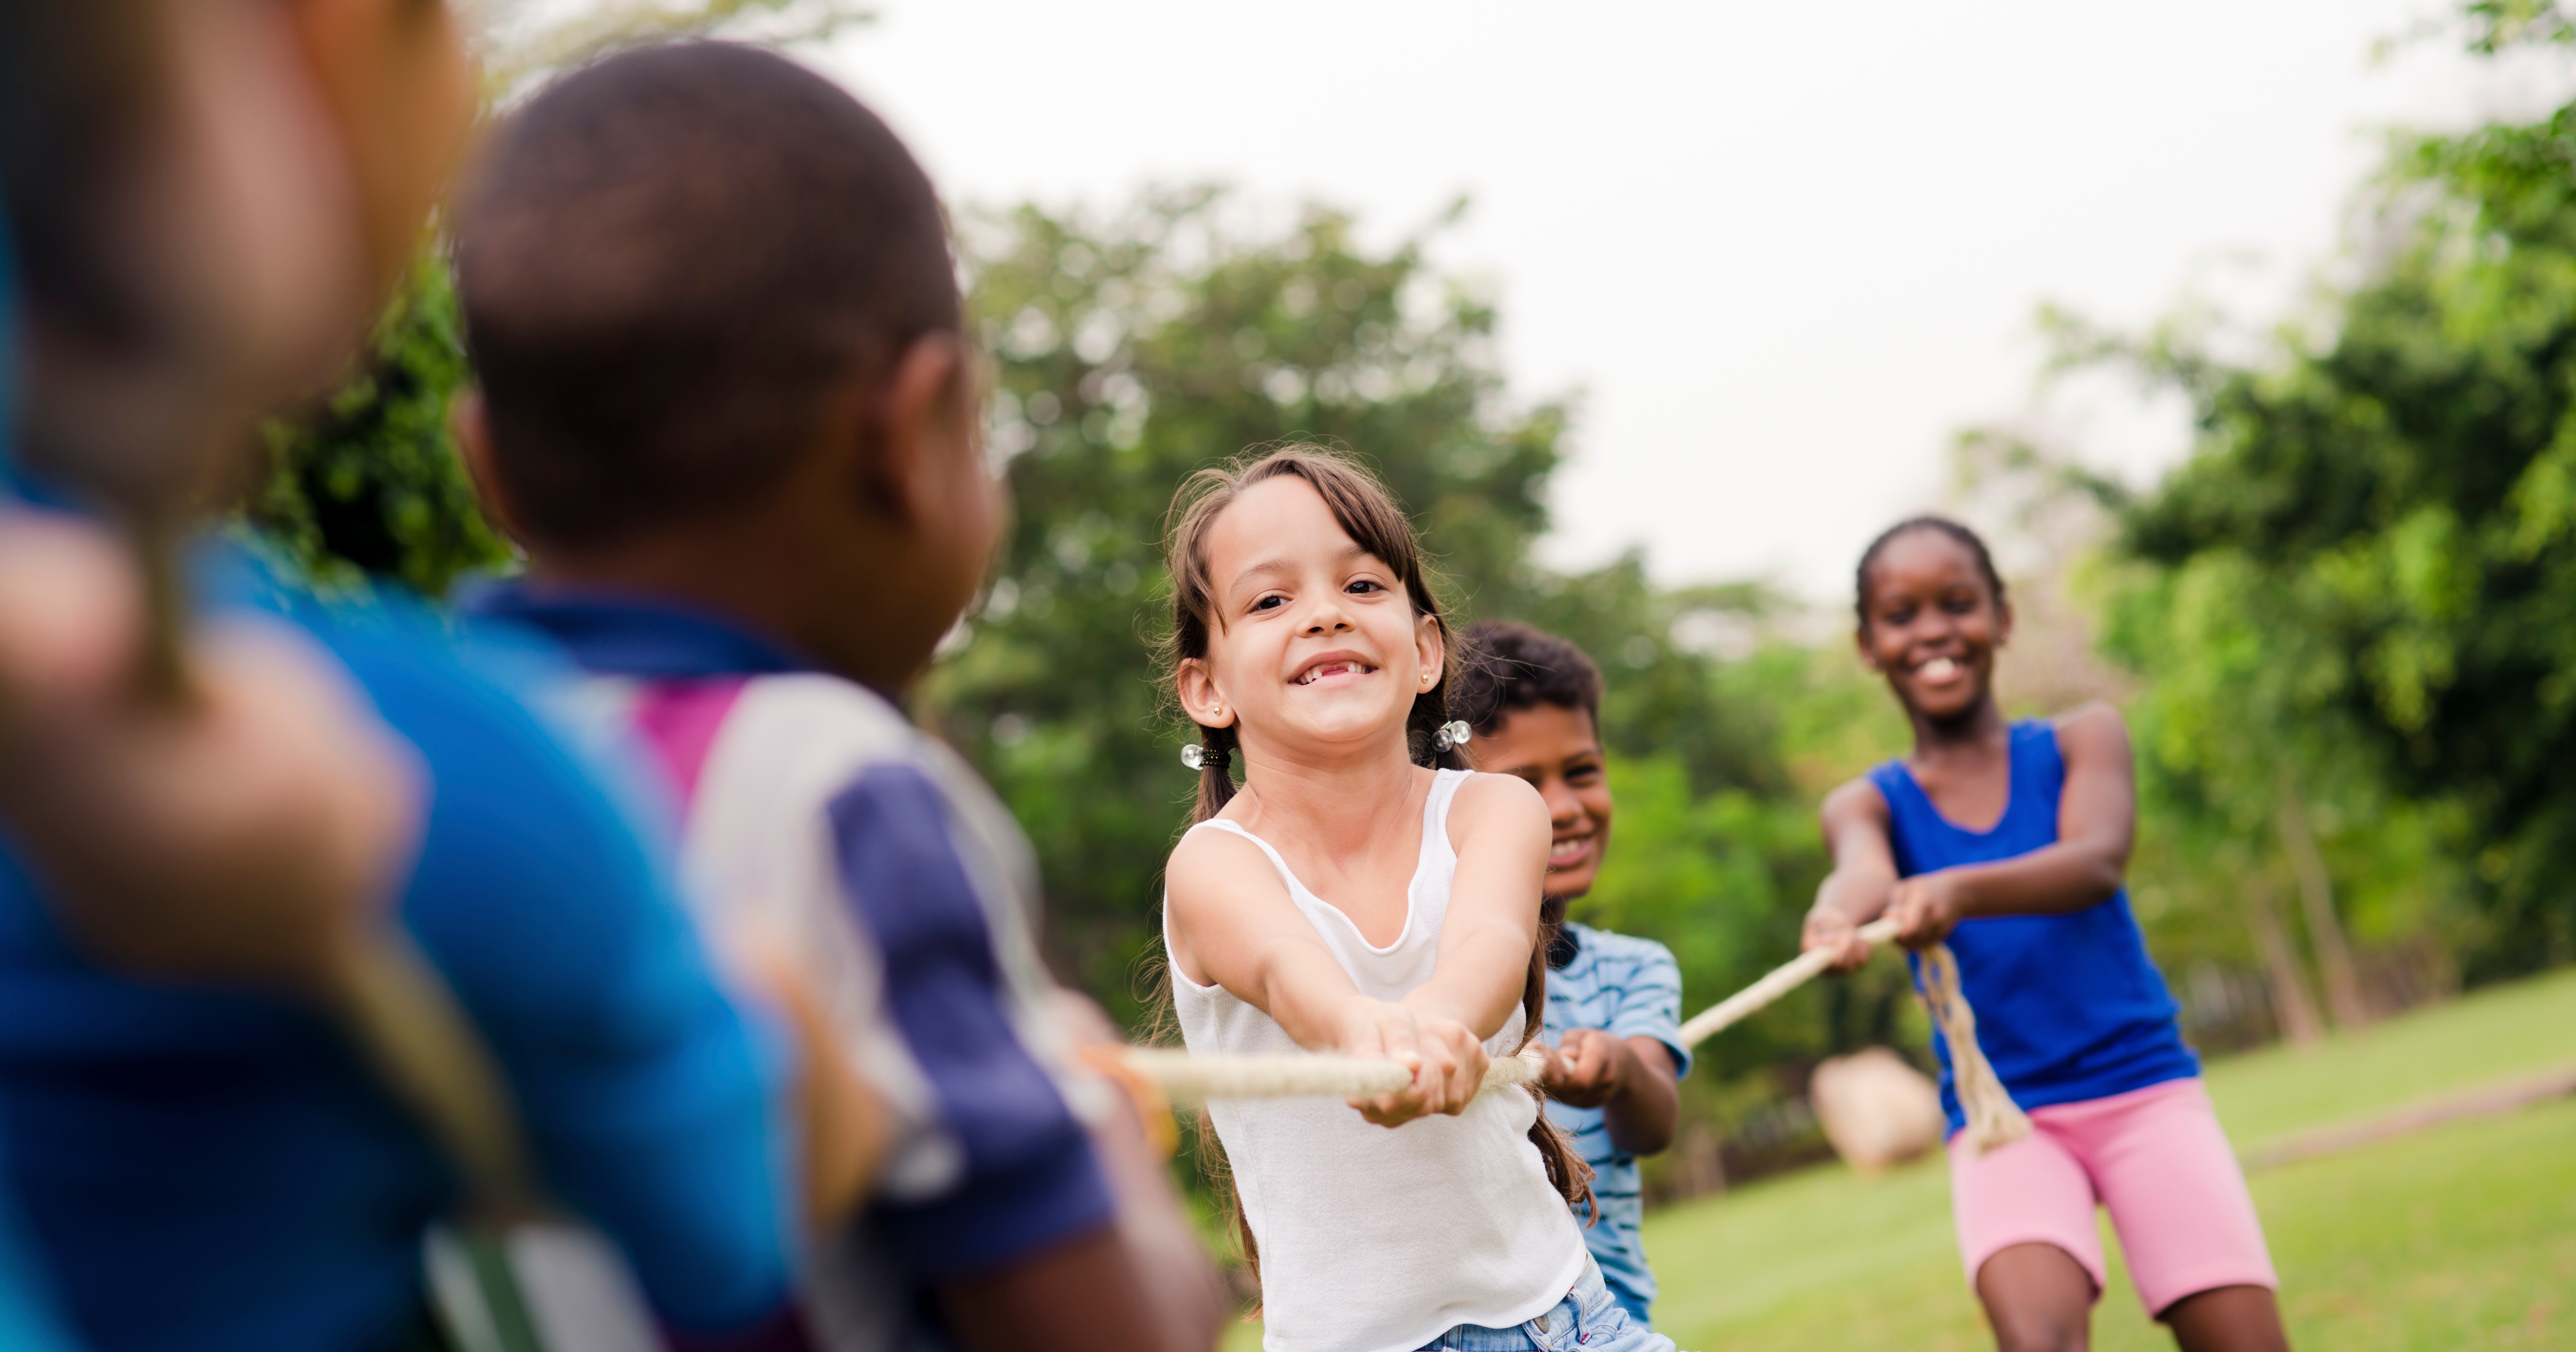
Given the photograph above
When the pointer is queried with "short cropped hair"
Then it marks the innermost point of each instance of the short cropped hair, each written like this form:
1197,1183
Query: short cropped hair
1965,538
665,261
1513,666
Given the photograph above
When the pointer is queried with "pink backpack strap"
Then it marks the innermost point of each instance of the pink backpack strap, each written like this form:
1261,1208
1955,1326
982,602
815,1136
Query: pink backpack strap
679,721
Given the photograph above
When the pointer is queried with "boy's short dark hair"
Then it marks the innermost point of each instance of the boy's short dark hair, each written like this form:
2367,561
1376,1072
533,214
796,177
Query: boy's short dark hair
665,261
1513,666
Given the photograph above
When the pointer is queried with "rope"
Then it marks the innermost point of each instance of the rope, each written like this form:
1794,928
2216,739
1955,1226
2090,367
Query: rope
1992,1117
405,1020
1781,980
1196,1079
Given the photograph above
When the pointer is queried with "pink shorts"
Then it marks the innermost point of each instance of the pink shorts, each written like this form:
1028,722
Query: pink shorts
2155,1157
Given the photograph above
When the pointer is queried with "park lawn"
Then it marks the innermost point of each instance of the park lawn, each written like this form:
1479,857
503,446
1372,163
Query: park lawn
2460,1236
2463,1236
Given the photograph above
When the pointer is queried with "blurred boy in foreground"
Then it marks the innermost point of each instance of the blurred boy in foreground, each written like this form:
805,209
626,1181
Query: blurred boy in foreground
727,406
1613,1001
210,198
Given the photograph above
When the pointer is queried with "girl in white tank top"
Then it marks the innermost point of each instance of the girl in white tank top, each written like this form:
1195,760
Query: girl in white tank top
1349,898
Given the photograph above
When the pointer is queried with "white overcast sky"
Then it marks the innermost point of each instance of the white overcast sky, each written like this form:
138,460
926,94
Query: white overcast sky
1783,250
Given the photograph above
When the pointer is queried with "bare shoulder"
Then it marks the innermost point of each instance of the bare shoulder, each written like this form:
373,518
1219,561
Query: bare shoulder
2093,733
1210,866
1498,794
1492,806
1857,800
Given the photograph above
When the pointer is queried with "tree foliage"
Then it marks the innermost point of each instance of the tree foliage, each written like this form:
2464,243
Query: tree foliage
2374,550
523,40
368,482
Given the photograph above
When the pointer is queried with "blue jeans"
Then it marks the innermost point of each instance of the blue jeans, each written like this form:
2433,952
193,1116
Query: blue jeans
1589,1319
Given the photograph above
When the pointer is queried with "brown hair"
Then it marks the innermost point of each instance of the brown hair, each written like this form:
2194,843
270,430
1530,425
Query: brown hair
1368,513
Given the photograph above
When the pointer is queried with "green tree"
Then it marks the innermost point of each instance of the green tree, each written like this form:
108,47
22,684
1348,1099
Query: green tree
2401,497
368,483
2265,813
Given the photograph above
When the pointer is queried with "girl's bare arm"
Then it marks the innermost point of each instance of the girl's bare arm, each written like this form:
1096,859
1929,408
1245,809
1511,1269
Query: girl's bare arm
1233,925
1499,825
1854,818
2097,822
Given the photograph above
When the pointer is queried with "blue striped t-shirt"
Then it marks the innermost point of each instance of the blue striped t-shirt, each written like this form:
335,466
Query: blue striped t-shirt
1628,987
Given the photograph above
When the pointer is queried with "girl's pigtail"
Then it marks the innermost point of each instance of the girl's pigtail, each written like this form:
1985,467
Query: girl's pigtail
1429,714
1216,770
1566,1171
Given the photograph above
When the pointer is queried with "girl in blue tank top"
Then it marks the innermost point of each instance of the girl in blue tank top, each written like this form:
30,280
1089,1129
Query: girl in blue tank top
2008,841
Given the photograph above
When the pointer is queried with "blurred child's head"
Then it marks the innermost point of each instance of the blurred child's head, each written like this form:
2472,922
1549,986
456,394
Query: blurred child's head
1303,622
716,327
209,201
1932,614
1535,703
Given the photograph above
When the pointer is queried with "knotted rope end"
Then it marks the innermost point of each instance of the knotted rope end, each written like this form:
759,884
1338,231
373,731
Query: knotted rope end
1994,1120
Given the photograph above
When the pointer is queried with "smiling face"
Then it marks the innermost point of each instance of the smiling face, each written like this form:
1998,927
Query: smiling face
1556,749
1315,647
1931,624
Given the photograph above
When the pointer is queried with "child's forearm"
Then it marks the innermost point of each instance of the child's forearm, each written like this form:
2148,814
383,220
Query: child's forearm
1642,1117
1854,819
2068,876
1308,995
1479,980
1857,892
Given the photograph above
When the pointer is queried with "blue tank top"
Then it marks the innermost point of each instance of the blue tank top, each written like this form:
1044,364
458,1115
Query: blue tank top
2069,1007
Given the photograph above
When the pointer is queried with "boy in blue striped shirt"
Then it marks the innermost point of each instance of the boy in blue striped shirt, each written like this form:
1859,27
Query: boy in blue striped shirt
1613,1001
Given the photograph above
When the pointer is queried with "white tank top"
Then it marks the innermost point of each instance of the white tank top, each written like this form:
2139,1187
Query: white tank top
1378,1240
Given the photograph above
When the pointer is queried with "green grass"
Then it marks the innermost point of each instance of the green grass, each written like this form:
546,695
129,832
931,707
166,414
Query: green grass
2494,1034
2464,1236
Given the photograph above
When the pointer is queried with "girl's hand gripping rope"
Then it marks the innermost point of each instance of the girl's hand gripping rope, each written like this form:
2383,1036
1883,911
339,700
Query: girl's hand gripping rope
1829,930
1446,1059
1925,908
